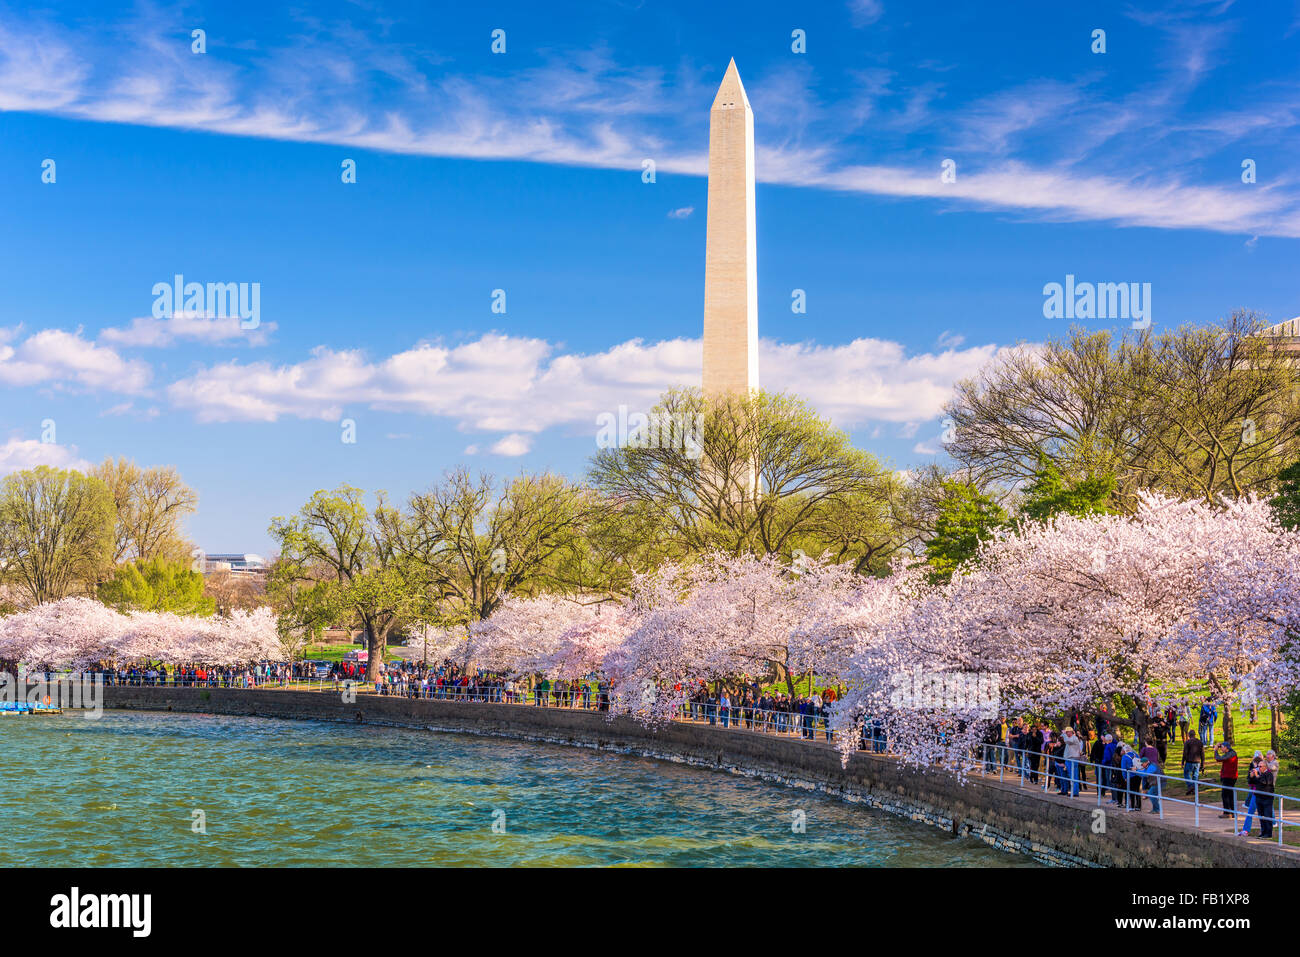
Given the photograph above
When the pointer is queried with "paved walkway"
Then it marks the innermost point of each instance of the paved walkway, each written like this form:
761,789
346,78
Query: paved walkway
1178,806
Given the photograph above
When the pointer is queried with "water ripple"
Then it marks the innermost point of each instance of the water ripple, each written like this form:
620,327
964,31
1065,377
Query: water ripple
123,791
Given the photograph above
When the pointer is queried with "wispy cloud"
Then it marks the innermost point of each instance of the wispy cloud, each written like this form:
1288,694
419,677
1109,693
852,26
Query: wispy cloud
1049,149
148,331
863,13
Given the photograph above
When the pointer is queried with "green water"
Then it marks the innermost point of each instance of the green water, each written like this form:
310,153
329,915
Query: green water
122,790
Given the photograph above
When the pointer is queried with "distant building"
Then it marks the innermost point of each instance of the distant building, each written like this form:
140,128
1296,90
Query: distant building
240,564
1286,334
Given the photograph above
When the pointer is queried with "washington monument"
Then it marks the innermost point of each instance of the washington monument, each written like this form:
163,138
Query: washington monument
730,267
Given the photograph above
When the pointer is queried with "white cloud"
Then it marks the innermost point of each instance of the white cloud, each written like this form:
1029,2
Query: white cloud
148,331
682,213
869,379
863,13
513,444
66,359
19,454
523,386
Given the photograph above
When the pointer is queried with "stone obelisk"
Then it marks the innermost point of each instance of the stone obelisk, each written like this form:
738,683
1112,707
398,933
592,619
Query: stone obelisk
730,267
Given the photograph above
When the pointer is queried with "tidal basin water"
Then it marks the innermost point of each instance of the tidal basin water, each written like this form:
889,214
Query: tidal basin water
123,790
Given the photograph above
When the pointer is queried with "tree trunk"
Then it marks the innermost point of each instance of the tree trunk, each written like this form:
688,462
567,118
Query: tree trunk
783,674
375,647
1138,712
1274,726
1229,726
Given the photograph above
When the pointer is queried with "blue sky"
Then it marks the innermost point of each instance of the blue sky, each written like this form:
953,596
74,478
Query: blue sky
522,171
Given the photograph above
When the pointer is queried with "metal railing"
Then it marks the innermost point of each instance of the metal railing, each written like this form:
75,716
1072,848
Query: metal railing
1003,757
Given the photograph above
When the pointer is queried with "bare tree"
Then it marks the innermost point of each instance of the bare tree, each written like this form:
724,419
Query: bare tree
473,544
1196,412
151,505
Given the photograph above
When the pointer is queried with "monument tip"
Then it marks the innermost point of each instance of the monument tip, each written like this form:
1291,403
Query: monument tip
731,92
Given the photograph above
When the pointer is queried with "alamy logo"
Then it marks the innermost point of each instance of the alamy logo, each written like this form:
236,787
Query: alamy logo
81,693
75,910
919,689
215,300
656,430
1102,300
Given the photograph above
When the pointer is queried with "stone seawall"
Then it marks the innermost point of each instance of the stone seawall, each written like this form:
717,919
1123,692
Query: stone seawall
1003,815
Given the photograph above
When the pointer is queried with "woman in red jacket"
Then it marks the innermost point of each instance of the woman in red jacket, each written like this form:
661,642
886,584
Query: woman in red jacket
1227,759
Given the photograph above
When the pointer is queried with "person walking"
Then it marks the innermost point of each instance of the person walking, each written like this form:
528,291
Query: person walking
1056,770
1193,758
1209,713
1132,783
1033,749
1161,732
992,740
1149,773
1099,755
1016,744
1072,751
1114,765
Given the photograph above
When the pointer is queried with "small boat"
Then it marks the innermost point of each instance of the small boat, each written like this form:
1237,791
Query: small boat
21,707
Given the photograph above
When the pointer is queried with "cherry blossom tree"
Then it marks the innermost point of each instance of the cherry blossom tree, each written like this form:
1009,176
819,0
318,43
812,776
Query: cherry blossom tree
77,633
589,647
70,633
523,633
1080,613
719,619
1245,618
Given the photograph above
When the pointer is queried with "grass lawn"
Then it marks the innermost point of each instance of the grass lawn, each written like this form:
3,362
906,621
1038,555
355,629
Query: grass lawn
1251,739
327,652
802,685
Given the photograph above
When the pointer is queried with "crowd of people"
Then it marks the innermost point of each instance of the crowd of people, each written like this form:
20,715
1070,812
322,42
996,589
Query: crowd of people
741,704
200,676
1130,774
450,680
752,707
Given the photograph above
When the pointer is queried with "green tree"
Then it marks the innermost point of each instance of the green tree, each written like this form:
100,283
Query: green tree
470,543
1051,494
56,531
156,585
1286,502
341,562
1288,736
150,506
966,518
755,473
